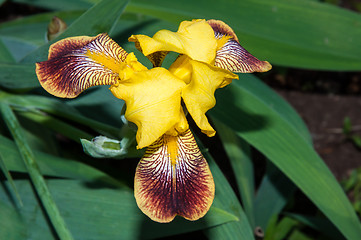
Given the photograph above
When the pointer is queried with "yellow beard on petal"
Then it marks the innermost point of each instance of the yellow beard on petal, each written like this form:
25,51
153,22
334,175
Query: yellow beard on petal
171,143
104,60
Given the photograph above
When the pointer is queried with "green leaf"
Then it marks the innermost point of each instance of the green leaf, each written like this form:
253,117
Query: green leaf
226,198
61,109
18,76
108,11
56,125
282,229
320,224
5,55
244,109
60,5
8,176
34,173
11,225
94,210
239,154
32,29
18,47
272,196
295,33
51,165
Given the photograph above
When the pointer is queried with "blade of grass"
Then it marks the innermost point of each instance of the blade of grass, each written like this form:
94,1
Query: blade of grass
239,154
34,173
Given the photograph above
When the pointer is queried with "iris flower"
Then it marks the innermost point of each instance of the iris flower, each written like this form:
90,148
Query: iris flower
172,178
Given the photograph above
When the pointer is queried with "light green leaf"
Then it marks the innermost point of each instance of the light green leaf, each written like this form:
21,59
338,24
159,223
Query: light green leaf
244,109
295,33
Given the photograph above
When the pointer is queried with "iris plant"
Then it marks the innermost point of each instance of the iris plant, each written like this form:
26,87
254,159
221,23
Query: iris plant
172,178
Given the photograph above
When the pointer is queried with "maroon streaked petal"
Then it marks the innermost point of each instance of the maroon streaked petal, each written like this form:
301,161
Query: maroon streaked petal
231,55
173,178
77,63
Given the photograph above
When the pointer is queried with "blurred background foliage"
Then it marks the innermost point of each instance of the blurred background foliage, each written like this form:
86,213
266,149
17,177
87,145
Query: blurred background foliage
50,189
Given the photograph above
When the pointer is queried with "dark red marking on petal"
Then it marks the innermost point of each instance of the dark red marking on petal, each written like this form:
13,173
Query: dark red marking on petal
232,56
70,69
164,190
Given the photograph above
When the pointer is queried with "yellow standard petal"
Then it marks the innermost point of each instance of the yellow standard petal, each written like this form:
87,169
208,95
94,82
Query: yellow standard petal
193,38
198,95
173,178
77,63
231,55
153,100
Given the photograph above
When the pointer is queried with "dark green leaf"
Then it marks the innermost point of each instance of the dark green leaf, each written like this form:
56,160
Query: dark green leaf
272,195
94,210
258,122
239,154
108,11
293,33
34,173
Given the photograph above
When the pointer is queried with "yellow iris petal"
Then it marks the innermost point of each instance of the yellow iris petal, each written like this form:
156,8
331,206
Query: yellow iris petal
153,99
193,38
198,95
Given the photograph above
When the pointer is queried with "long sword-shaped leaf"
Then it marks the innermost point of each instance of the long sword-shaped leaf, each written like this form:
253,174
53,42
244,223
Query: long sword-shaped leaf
95,210
226,198
34,173
272,195
99,18
244,109
294,33
8,176
239,155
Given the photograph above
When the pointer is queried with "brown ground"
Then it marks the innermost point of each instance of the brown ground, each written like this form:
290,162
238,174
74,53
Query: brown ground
324,116
324,100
